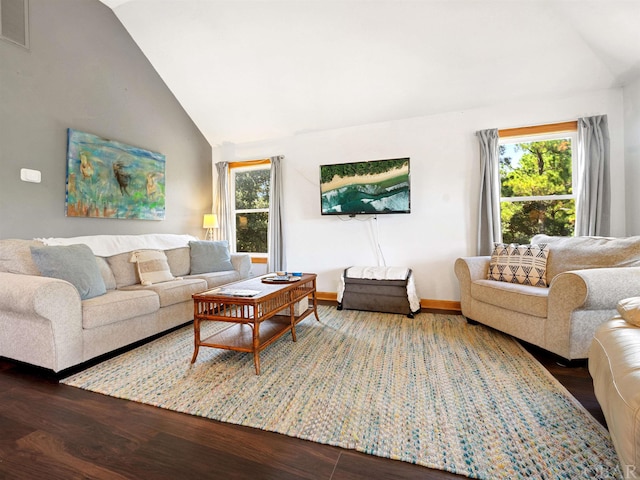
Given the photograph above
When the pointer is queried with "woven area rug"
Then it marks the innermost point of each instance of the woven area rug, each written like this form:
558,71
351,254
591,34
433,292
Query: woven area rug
432,390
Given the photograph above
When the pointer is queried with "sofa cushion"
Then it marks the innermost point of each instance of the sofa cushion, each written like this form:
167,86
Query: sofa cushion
123,271
210,256
179,260
74,263
152,266
118,305
173,292
579,253
512,296
107,274
523,264
15,256
215,279
629,310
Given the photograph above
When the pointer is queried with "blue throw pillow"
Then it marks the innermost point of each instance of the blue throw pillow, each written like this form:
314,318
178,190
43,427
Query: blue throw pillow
74,263
210,257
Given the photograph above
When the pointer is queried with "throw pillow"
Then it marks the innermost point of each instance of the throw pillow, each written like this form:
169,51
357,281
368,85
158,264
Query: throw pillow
124,273
524,264
152,266
107,274
179,260
210,257
74,263
629,310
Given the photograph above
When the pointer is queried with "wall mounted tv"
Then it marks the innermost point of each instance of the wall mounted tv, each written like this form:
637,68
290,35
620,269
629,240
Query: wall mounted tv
371,187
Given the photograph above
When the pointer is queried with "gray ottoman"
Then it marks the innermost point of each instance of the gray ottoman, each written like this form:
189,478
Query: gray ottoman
388,296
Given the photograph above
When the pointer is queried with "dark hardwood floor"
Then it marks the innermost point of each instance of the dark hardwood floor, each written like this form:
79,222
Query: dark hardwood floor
54,431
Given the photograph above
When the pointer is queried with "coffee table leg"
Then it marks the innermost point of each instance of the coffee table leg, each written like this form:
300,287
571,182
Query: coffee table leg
256,346
196,337
293,326
315,305
256,361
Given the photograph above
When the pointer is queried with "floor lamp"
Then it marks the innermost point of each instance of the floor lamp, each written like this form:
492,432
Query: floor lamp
210,222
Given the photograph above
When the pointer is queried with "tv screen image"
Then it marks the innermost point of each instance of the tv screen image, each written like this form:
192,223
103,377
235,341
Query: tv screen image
369,187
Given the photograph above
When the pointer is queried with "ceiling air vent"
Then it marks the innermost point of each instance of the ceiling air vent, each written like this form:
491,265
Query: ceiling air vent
14,21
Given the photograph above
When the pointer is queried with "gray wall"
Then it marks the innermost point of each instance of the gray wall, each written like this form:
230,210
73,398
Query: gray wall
632,154
84,71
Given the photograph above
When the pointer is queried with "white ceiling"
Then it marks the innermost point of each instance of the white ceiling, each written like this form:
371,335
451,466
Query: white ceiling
250,70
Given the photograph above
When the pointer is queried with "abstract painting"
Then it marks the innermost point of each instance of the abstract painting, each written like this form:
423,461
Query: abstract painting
108,179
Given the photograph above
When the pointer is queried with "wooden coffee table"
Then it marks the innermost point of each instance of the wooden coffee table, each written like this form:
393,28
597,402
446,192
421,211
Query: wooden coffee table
255,321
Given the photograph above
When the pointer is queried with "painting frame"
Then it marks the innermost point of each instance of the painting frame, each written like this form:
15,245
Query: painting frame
110,179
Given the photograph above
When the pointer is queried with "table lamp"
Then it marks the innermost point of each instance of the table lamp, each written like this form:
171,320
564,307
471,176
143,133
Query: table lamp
210,222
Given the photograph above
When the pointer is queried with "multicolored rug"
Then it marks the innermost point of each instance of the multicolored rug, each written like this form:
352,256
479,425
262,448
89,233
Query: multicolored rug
432,390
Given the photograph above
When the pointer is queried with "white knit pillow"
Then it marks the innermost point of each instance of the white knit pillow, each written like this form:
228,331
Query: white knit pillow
524,264
152,266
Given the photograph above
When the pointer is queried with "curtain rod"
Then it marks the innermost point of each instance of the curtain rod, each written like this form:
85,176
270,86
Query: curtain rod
253,163
538,129
250,163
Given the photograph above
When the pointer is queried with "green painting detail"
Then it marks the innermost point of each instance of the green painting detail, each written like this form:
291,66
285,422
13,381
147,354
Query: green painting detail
108,179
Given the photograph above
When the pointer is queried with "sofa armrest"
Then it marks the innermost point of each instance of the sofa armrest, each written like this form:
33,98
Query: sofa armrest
476,268
242,263
469,269
35,294
595,288
52,300
579,300
472,268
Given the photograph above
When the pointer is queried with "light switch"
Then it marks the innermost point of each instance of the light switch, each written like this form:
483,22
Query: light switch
27,175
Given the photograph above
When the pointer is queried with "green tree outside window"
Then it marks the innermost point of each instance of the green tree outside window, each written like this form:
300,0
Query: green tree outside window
251,209
536,189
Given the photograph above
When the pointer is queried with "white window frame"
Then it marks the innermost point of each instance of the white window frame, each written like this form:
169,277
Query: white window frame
239,168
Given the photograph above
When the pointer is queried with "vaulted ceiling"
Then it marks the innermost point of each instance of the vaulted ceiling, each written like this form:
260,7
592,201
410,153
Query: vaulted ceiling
250,70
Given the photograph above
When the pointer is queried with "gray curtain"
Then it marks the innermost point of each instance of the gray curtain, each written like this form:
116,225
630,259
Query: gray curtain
593,189
276,245
489,230
225,230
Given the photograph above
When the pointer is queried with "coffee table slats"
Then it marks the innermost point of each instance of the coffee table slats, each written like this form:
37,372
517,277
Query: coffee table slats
239,337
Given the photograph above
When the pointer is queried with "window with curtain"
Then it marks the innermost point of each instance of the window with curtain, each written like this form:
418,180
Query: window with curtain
250,185
530,183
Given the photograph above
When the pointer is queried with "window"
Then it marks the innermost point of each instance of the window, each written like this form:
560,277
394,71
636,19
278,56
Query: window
536,179
250,193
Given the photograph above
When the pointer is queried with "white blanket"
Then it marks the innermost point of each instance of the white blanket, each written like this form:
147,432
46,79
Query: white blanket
378,273
107,245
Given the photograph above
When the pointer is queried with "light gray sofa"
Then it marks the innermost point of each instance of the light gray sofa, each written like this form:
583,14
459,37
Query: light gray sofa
587,276
44,321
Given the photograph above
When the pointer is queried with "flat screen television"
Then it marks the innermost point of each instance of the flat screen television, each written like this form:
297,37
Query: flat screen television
369,187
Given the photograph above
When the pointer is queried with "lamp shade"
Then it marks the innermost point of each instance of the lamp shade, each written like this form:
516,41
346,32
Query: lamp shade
210,220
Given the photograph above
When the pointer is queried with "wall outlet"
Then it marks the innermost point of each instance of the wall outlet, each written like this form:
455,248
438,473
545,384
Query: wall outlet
27,175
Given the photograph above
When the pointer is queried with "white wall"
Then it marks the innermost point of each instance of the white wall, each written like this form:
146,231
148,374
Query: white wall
632,154
444,182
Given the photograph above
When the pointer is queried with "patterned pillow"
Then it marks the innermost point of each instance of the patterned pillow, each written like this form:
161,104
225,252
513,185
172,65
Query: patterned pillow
524,264
152,266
